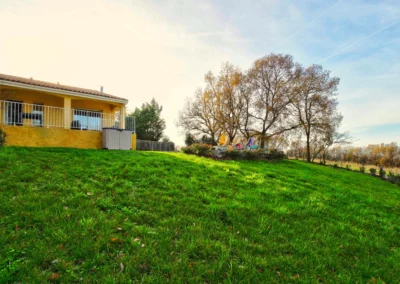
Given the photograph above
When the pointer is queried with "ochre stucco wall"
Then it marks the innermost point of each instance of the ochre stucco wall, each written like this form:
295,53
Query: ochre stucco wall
93,106
51,137
54,137
34,97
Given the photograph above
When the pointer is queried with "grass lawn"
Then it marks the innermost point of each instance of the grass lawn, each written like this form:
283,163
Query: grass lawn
113,216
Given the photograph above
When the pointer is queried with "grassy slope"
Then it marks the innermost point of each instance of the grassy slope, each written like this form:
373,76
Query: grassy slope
198,220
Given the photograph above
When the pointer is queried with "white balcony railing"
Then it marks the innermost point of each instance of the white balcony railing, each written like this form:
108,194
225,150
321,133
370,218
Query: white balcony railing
36,115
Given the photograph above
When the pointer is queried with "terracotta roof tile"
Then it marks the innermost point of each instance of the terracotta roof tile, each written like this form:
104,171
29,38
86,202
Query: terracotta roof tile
57,86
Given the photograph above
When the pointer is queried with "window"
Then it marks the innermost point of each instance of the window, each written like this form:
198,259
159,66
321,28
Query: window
88,120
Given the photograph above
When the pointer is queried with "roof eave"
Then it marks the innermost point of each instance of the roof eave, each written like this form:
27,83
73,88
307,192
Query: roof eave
61,92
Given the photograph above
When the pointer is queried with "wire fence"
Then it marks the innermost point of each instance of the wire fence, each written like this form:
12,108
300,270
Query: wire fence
144,145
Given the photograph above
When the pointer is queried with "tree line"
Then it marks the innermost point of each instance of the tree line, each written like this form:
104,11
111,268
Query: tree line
275,98
385,155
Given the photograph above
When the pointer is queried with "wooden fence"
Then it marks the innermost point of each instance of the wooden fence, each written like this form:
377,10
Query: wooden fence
144,145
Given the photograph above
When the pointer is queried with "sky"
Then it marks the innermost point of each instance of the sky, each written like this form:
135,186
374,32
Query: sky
161,49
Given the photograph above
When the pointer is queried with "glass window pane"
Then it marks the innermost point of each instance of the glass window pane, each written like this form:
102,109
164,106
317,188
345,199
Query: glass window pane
37,115
84,119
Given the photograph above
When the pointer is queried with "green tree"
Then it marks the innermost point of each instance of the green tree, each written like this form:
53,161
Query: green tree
149,124
165,139
189,139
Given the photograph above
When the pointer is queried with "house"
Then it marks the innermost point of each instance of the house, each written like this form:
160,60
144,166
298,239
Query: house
42,114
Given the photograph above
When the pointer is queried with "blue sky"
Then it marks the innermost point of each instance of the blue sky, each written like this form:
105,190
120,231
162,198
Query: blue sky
143,49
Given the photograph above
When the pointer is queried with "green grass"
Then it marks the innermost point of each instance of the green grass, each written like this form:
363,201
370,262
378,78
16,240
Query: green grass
112,216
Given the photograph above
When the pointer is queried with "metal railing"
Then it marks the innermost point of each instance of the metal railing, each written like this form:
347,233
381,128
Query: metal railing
130,123
145,145
37,115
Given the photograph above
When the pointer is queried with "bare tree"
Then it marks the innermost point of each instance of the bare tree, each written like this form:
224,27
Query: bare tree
273,80
324,137
278,142
276,96
229,90
315,103
296,143
246,118
334,137
199,115
217,108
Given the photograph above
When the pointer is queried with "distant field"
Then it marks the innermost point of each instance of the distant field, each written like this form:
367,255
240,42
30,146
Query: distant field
356,166
96,216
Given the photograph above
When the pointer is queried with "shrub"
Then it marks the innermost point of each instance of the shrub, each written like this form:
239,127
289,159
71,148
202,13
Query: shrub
348,167
372,171
275,154
187,150
197,149
393,178
335,165
2,137
382,172
362,169
251,155
233,154
203,150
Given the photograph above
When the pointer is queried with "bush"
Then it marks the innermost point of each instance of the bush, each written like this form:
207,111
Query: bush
393,178
2,137
335,165
233,154
362,169
251,155
187,150
372,171
348,167
202,149
198,149
275,154
382,172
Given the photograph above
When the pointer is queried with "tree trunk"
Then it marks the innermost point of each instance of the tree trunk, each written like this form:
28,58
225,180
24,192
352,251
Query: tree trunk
262,142
308,148
231,138
213,139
